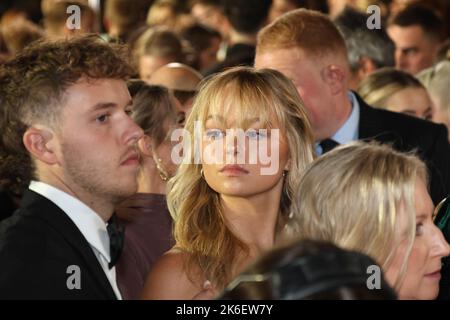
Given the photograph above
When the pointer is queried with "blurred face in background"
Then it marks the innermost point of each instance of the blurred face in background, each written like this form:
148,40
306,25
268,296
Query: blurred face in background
212,17
208,57
149,64
414,50
412,101
280,7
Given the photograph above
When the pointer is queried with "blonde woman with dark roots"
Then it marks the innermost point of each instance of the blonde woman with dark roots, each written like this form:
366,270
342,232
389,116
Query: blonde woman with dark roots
372,199
227,214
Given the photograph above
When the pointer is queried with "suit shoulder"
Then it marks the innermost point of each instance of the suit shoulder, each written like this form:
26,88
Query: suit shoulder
24,226
406,132
25,236
403,122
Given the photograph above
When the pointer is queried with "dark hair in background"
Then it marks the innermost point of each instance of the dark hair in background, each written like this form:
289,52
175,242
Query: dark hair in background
153,109
127,15
362,42
32,87
318,5
307,270
423,16
31,8
198,38
161,42
246,16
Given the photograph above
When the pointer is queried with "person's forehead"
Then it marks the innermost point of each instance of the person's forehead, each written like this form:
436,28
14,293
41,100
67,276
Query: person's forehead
409,34
293,63
85,95
175,78
423,202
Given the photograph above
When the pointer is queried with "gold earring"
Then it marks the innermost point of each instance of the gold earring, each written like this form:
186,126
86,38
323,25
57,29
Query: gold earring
202,174
163,174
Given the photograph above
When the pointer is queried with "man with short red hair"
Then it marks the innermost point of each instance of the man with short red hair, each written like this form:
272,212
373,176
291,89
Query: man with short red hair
307,47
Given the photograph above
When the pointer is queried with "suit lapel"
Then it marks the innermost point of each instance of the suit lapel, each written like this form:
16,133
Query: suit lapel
54,216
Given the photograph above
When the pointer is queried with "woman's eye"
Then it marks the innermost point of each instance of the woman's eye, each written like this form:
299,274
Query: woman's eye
129,112
214,134
419,229
256,134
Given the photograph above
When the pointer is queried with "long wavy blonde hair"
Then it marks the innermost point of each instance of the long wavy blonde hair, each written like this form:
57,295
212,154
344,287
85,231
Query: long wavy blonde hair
352,197
199,225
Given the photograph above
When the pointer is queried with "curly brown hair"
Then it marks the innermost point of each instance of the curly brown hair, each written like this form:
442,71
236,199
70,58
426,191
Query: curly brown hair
32,88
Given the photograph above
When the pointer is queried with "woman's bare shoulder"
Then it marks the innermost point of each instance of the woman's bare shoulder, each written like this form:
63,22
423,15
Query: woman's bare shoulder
168,279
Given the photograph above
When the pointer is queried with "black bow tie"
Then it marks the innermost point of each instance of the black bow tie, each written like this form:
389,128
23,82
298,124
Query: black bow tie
327,145
116,238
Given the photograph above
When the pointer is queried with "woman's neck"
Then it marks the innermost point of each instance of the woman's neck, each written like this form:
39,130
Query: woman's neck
254,219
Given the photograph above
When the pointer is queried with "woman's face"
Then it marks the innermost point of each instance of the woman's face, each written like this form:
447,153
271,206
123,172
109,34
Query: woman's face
422,274
242,161
412,101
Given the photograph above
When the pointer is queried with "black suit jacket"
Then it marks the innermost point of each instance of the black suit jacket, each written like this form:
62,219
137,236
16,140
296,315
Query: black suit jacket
37,245
406,133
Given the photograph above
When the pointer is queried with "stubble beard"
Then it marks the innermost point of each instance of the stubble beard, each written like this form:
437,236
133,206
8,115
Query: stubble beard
95,177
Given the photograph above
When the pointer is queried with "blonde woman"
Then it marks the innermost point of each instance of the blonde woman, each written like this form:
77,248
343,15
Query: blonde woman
397,91
437,82
227,212
374,200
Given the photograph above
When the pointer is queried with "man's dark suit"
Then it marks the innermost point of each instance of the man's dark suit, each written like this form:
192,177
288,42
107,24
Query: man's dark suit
37,245
406,133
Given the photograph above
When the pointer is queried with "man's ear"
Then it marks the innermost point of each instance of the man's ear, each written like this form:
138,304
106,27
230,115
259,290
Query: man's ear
145,146
40,141
335,77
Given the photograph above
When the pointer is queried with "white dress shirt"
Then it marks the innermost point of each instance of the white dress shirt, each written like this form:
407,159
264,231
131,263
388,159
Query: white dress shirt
349,130
87,221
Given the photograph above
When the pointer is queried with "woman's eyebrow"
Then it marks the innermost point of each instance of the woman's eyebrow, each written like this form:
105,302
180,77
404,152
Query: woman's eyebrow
422,216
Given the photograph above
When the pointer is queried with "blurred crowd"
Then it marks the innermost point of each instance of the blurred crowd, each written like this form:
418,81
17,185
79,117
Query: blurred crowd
316,70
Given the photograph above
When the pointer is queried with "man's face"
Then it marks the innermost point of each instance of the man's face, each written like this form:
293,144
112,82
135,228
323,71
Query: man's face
306,76
414,51
97,140
149,64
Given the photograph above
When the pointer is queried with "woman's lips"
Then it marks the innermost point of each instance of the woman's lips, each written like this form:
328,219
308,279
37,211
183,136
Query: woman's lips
233,171
434,275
